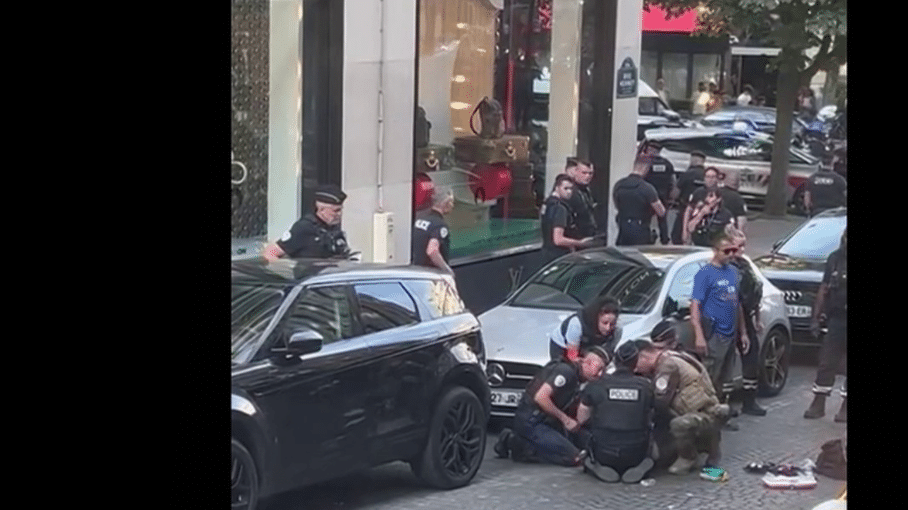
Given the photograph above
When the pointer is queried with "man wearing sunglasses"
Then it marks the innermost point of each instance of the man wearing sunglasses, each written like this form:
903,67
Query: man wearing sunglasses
716,313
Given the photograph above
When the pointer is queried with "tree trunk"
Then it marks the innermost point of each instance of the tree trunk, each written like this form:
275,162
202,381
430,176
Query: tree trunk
831,87
777,194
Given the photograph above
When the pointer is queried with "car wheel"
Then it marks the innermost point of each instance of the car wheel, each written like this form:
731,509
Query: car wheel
775,356
244,480
456,442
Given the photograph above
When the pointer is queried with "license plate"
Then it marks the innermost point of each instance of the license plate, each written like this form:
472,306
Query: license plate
798,311
506,398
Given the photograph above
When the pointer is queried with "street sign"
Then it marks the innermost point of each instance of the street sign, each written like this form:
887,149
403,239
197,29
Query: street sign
627,79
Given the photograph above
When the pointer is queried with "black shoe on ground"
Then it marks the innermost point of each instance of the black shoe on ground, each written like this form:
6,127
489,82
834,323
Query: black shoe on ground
636,473
603,473
501,447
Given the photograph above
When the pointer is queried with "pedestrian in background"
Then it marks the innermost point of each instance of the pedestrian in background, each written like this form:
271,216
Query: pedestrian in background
662,92
700,100
715,98
746,97
431,238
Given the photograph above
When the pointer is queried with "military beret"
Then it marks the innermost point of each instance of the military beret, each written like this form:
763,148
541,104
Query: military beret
330,194
627,352
642,344
666,326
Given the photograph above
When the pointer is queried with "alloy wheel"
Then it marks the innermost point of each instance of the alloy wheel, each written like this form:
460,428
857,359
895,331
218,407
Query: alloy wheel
775,362
461,439
240,484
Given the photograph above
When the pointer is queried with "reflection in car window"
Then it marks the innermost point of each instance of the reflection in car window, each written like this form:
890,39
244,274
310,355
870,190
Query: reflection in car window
252,307
570,285
816,239
439,297
325,310
682,286
384,306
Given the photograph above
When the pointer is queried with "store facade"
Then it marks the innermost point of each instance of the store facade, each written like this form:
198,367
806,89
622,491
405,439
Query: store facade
378,99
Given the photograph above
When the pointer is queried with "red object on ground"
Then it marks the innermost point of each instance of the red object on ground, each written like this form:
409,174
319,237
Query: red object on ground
423,187
494,181
654,21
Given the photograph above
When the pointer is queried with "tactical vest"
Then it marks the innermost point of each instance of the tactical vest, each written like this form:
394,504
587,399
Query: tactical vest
750,286
562,397
838,285
587,337
627,404
696,393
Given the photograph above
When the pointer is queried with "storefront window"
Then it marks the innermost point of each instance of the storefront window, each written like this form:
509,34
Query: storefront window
707,67
249,119
649,69
470,50
674,71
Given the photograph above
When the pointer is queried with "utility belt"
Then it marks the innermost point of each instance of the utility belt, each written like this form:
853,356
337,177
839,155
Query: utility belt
637,221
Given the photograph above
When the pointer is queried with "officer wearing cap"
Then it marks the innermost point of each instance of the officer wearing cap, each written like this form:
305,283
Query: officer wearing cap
661,175
544,417
317,234
431,243
636,200
684,395
689,181
826,189
619,411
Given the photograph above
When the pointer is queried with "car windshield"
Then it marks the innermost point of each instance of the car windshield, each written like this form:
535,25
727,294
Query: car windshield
816,239
253,306
569,285
650,106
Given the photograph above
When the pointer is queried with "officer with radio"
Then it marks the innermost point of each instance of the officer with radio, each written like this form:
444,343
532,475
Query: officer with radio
619,408
832,299
318,234
431,238
636,200
543,420
826,189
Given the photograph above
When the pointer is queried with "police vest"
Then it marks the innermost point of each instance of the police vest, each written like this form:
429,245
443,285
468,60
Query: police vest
696,393
750,287
587,337
562,397
627,403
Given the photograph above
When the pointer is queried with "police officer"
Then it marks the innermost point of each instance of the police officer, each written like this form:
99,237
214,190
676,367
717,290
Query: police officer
318,234
710,181
732,200
688,182
710,217
832,299
543,419
661,175
431,238
826,189
581,201
557,220
750,290
595,324
636,200
685,395
619,408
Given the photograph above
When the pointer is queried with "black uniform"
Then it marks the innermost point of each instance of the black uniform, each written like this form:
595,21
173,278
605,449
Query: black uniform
731,200
711,224
835,345
662,176
827,191
311,237
582,207
427,226
554,213
687,184
633,199
622,418
750,292
538,437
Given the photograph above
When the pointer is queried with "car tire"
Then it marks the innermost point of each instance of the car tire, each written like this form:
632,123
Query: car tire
456,442
244,486
775,357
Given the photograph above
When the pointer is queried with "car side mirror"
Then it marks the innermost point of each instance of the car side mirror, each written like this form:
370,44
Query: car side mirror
670,115
304,342
671,306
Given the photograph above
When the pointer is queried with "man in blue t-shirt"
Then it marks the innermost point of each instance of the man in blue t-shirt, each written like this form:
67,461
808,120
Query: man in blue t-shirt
716,313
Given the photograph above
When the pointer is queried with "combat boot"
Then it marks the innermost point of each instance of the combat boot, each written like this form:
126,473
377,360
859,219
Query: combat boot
750,404
841,416
817,408
682,466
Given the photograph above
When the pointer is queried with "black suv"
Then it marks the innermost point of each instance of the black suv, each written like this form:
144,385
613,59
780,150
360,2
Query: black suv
339,366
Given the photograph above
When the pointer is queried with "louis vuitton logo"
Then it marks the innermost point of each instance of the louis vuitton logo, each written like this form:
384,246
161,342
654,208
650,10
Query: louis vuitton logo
515,274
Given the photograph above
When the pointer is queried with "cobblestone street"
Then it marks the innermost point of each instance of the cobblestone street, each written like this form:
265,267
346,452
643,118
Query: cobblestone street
781,436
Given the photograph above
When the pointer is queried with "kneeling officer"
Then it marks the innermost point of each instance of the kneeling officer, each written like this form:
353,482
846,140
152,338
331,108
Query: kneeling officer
543,419
684,390
621,406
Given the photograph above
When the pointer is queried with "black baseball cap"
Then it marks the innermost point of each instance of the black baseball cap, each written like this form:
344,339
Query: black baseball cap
627,352
330,194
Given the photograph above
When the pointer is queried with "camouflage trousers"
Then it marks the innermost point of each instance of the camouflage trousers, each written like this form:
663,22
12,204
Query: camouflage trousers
699,432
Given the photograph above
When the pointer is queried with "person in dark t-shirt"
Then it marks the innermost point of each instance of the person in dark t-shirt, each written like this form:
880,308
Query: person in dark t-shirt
826,189
709,219
315,235
557,221
636,200
431,238
688,182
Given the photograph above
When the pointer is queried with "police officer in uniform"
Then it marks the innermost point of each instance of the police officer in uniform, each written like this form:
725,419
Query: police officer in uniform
826,189
594,324
636,200
557,220
689,181
619,408
710,217
661,175
832,299
581,201
431,238
684,394
732,200
543,419
318,234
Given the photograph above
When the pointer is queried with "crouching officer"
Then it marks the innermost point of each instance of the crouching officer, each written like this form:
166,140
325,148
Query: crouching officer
685,393
619,408
318,234
542,421
636,200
